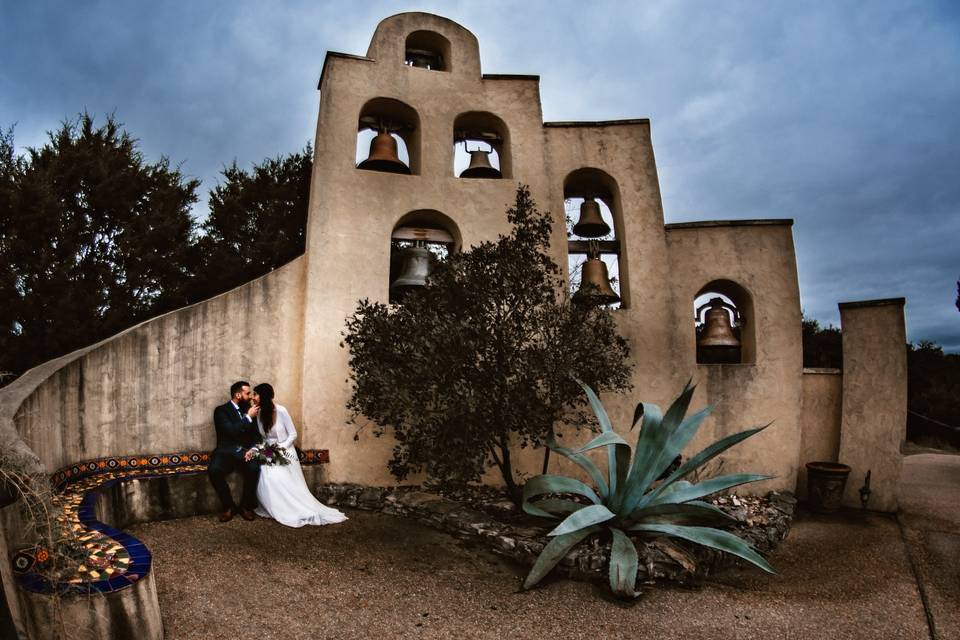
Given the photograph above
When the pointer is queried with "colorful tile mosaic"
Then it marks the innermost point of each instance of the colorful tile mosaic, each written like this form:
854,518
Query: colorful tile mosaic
111,559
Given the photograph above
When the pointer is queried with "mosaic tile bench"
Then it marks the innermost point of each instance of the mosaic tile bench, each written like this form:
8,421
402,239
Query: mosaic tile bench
114,558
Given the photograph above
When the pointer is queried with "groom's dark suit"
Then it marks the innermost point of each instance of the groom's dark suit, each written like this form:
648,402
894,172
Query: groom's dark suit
236,433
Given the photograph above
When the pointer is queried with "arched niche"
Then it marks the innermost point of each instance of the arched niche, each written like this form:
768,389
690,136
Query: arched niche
423,229
737,303
401,121
481,130
595,193
427,50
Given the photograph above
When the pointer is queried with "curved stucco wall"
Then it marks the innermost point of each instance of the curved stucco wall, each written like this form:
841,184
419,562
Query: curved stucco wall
153,387
150,389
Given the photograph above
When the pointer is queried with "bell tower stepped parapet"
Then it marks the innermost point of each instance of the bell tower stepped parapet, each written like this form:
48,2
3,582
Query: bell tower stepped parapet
421,82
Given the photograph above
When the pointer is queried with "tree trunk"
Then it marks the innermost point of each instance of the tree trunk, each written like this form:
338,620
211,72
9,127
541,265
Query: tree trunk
506,470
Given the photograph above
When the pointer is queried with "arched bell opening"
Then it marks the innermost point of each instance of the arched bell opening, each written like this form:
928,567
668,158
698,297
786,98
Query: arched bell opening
481,146
427,50
724,324
595,257
418,241
388,137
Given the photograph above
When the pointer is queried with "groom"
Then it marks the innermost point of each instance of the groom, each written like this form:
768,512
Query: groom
236,424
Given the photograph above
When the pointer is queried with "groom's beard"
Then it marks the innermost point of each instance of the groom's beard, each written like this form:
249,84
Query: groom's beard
244,405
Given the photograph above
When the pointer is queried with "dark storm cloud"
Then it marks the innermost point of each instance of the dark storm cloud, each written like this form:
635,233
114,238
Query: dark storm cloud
842,116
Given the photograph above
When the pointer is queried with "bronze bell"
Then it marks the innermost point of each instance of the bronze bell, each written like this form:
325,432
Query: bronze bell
717,343
590,224
595,286
418,60
424,59
383,155
480,166
416,268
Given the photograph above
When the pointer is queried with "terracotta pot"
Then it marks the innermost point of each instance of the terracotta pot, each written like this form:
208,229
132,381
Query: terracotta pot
825,484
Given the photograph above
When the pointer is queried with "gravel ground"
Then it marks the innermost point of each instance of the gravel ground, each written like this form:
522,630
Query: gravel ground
383,577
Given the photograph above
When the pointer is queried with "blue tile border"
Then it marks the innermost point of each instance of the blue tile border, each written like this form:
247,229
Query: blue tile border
88,478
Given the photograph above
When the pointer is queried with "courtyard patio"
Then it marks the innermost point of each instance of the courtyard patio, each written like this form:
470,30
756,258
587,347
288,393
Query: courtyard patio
851,575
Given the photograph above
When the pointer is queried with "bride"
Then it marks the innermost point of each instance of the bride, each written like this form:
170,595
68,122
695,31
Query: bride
282,491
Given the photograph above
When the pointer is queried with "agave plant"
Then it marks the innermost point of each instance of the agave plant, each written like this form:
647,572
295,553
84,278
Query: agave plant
629,498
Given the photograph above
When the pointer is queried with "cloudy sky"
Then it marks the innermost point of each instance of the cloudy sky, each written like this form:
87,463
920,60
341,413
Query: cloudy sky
844,116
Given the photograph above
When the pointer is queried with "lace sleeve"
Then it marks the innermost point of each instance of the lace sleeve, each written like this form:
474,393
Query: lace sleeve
290,436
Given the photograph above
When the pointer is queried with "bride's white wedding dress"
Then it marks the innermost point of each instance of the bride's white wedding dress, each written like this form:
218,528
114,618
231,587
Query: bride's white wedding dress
282,491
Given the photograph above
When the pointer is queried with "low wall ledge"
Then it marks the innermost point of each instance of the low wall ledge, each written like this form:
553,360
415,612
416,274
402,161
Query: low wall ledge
823,371
731,365
701,224
510,76
597,123
337,54
883,302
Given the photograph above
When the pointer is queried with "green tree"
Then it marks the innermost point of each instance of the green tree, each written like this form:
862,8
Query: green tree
10,168
482,359
933,392
822,346
257,222
95,239
933,383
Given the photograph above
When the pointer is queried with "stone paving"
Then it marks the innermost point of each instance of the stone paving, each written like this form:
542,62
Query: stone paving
930,503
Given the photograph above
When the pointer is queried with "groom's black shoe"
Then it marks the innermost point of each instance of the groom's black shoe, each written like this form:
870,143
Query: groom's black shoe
247,515
226,516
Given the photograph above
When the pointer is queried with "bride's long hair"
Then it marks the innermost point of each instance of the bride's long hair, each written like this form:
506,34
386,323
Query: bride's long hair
268,411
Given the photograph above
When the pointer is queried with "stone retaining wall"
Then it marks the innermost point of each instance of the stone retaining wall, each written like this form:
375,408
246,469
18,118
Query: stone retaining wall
763,522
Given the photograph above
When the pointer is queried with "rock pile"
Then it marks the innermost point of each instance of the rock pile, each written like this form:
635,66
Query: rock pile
489,519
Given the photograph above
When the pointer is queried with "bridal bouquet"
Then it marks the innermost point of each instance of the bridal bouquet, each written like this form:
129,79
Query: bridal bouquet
265,453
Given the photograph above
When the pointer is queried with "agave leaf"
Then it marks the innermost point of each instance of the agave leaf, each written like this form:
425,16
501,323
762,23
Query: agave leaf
583,462
623,564
693,512
684,491
637,414
554,508
648,443
605,426
586,517
621,473
548,483
597,406
603,440
676,440
679,438
709,537
553,553
708,454
621,459
678,408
